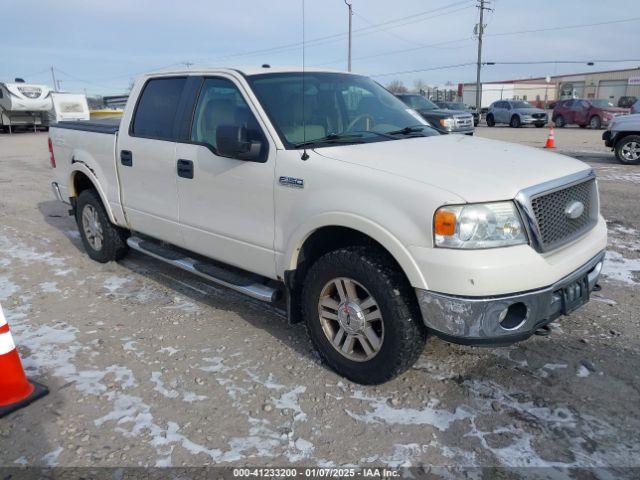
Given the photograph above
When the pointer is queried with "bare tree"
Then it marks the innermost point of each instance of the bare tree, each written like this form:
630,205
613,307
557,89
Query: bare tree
396,86
420,85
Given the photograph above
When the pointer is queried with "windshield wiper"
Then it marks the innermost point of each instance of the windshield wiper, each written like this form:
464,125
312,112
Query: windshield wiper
331,138
407,130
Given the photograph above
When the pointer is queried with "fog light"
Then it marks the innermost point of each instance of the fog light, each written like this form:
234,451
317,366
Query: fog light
512,317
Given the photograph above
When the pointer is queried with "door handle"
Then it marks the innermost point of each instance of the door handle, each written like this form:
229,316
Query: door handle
126,158
185,168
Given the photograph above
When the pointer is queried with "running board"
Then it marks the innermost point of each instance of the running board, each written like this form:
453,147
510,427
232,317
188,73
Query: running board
232,278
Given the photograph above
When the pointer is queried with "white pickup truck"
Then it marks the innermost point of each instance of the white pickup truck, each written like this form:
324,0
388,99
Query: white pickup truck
324,190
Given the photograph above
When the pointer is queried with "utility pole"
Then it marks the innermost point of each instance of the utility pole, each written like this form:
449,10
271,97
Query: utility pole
479,32
53,77
350,21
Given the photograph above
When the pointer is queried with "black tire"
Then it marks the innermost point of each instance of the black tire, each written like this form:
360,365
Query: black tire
404,332
559,121
625,141
595,122
515,122
114,239
490,121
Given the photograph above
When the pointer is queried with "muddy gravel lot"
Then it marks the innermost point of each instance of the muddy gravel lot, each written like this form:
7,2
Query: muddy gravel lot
150,366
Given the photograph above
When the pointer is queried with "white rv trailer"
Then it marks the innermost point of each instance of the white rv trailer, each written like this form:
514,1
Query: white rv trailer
23,104
68,107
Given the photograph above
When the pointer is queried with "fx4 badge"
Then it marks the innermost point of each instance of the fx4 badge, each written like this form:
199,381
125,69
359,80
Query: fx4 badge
292,182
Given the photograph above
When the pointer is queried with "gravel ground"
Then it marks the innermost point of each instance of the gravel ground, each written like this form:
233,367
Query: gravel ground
150,366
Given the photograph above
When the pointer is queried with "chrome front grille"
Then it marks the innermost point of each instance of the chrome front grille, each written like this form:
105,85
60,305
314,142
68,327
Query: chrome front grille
552,210
464,122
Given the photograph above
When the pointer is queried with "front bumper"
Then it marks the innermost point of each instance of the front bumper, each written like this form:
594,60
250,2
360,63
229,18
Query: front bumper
465,131
532,121
477,320
609,138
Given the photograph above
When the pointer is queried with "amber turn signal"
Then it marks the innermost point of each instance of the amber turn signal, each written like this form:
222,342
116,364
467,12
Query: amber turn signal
444,223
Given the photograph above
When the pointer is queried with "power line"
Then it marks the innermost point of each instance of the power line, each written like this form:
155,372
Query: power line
566,27
442,67
404,50
402,21
543,62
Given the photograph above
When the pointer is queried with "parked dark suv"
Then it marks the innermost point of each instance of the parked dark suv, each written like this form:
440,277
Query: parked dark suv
585,112
445,121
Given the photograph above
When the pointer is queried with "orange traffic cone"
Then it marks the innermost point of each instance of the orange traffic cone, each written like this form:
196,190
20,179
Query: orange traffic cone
551,143
15,390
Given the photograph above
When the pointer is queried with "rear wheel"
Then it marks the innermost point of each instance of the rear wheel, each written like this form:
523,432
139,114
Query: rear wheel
103,241
490,121
628,150
515,122
595,122
362,316
559,121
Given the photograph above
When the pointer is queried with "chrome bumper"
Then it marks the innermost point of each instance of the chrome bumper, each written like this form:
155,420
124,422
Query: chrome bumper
531,120
56,191
505,319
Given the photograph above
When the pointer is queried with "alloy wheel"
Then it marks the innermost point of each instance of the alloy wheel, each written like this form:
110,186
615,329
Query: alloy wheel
351,319
92,227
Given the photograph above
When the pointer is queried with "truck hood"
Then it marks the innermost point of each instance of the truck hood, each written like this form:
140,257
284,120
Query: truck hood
443,113
529,111
475,169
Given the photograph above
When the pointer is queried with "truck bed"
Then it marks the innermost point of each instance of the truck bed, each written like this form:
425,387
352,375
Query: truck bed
106,125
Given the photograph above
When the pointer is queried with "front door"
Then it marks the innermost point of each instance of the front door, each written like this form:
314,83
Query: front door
145,159
226,204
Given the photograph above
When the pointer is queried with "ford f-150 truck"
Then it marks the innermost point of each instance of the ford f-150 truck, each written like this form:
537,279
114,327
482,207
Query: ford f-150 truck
323,189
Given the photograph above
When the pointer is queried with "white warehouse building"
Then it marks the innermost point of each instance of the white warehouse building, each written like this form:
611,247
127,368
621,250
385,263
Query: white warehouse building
607,85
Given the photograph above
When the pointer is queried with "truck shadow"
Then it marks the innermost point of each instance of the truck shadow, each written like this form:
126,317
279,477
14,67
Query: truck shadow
268,317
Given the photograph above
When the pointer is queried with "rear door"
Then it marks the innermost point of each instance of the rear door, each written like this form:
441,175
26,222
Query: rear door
502,112
226,204
145,159
581,111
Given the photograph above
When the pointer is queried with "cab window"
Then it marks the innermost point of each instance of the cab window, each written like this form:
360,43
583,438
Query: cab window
220,104
157,107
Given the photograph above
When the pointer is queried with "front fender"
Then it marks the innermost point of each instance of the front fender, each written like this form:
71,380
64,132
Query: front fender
364,226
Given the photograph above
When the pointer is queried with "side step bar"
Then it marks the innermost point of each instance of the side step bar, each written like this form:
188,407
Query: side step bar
232,278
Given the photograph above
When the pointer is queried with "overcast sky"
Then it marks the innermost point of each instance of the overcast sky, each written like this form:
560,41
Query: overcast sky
102,45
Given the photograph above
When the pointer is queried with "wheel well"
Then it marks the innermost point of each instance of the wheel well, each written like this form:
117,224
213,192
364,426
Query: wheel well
622,135
325,240
81,182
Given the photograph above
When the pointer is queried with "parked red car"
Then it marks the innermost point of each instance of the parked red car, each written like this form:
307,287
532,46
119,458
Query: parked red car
593,113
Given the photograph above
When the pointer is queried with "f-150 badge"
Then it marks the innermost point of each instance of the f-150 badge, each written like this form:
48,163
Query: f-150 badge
292,182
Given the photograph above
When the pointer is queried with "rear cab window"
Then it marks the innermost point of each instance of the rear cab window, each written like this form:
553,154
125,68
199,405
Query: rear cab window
156,110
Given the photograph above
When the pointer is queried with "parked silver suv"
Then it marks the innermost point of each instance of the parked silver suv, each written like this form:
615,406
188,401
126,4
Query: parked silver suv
623,136
515,113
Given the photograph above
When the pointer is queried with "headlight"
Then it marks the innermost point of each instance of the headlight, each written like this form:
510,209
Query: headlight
447,123
475,226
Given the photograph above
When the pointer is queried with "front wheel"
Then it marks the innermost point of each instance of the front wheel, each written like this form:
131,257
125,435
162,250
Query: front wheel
515,122
559,121
491,122
362,315
595,122
628,150
103,241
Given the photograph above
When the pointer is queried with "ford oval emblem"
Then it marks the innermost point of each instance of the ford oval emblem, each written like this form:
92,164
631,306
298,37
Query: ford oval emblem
574,210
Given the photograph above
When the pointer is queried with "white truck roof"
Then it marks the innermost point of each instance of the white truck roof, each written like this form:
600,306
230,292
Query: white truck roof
245,70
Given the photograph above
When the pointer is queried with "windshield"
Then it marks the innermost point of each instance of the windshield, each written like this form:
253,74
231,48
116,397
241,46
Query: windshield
521,104
601,103
418,102
337,107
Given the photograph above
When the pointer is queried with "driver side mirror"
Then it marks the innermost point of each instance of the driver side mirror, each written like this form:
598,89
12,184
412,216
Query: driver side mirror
232,141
